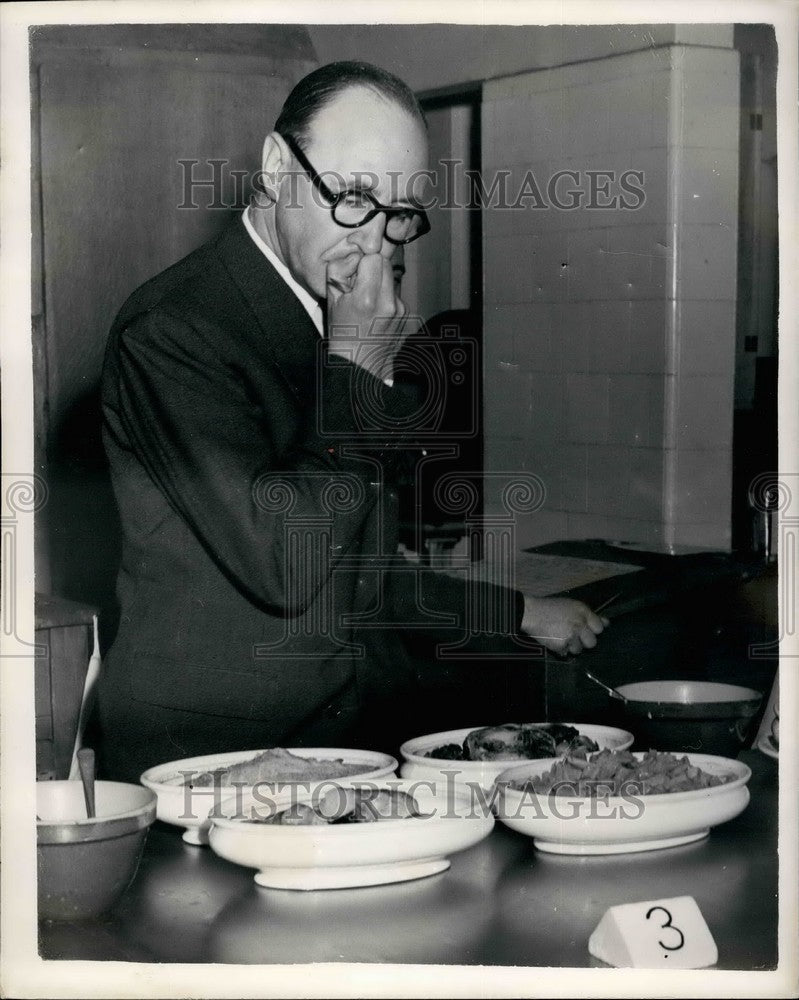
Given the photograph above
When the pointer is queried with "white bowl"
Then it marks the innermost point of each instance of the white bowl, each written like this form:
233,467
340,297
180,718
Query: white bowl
485,772
621,824
352,854
190,808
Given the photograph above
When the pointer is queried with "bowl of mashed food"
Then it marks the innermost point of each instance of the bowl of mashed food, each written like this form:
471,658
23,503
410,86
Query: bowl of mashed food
189,790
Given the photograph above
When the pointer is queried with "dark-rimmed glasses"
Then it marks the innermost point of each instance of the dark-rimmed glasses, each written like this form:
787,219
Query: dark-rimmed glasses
352,209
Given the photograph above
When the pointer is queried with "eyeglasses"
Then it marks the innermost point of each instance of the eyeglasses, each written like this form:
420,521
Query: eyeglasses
352,209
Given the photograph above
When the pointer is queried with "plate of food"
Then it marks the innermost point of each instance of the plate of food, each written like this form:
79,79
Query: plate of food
477,755
188,790
617,802
349,833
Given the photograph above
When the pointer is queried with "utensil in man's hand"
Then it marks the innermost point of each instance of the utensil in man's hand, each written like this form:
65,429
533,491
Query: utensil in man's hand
605,604
565,657
86,766
611,691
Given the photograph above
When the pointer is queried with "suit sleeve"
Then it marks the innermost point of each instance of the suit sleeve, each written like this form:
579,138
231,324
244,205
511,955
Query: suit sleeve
478,610
221,453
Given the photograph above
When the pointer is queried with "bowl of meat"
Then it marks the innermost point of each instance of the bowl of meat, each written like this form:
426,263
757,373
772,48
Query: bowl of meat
618,802
348,833
477,755
189,790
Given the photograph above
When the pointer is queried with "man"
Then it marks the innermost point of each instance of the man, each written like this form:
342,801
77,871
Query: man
252,427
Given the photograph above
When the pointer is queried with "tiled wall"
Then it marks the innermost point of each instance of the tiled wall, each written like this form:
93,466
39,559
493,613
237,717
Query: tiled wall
610,333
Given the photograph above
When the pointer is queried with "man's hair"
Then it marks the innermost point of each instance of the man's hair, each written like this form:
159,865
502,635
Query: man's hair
315,91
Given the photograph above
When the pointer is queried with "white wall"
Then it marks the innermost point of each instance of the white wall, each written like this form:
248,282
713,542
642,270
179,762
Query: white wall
610,335
429,56
437,273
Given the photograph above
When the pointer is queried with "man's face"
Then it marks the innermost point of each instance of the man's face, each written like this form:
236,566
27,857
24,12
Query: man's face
364,141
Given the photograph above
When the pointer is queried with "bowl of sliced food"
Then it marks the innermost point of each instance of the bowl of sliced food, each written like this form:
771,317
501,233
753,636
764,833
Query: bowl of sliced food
691,716
479,754
189,790
348,833
615,801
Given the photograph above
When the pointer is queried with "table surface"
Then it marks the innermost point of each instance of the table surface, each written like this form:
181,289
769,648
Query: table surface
501,903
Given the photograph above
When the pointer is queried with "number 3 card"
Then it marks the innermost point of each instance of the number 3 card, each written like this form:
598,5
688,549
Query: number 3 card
656,934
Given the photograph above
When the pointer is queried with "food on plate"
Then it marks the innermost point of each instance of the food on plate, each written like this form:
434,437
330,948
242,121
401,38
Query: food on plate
276,764
346,805
514,741
617,772
297,815
449,751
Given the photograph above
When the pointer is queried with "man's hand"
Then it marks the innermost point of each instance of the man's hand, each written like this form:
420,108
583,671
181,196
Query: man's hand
561,624
366,321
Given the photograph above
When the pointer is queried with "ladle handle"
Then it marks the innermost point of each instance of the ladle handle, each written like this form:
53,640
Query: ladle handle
86,766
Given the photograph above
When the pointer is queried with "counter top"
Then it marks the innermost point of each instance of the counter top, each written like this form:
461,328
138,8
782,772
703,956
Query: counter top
541,574
501,903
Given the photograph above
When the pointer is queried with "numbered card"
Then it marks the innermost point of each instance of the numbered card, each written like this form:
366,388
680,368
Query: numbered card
656,934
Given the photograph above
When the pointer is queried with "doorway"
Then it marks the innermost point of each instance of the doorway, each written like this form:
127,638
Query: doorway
443,286
755,420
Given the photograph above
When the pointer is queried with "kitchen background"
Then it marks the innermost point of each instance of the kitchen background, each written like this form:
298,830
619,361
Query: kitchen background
628,357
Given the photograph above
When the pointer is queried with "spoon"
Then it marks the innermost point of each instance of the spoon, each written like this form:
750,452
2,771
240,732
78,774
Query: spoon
611,691
604,604
86,766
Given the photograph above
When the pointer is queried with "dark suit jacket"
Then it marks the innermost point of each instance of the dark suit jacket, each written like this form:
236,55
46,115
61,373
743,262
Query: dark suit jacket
259,601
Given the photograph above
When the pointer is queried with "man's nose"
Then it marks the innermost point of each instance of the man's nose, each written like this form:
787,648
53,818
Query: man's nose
369,237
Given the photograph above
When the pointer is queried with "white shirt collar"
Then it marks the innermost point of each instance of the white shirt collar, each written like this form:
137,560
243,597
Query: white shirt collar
307,301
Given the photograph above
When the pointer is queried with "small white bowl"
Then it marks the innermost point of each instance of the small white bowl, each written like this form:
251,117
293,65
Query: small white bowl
621,824
485,772
348,855
190,808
